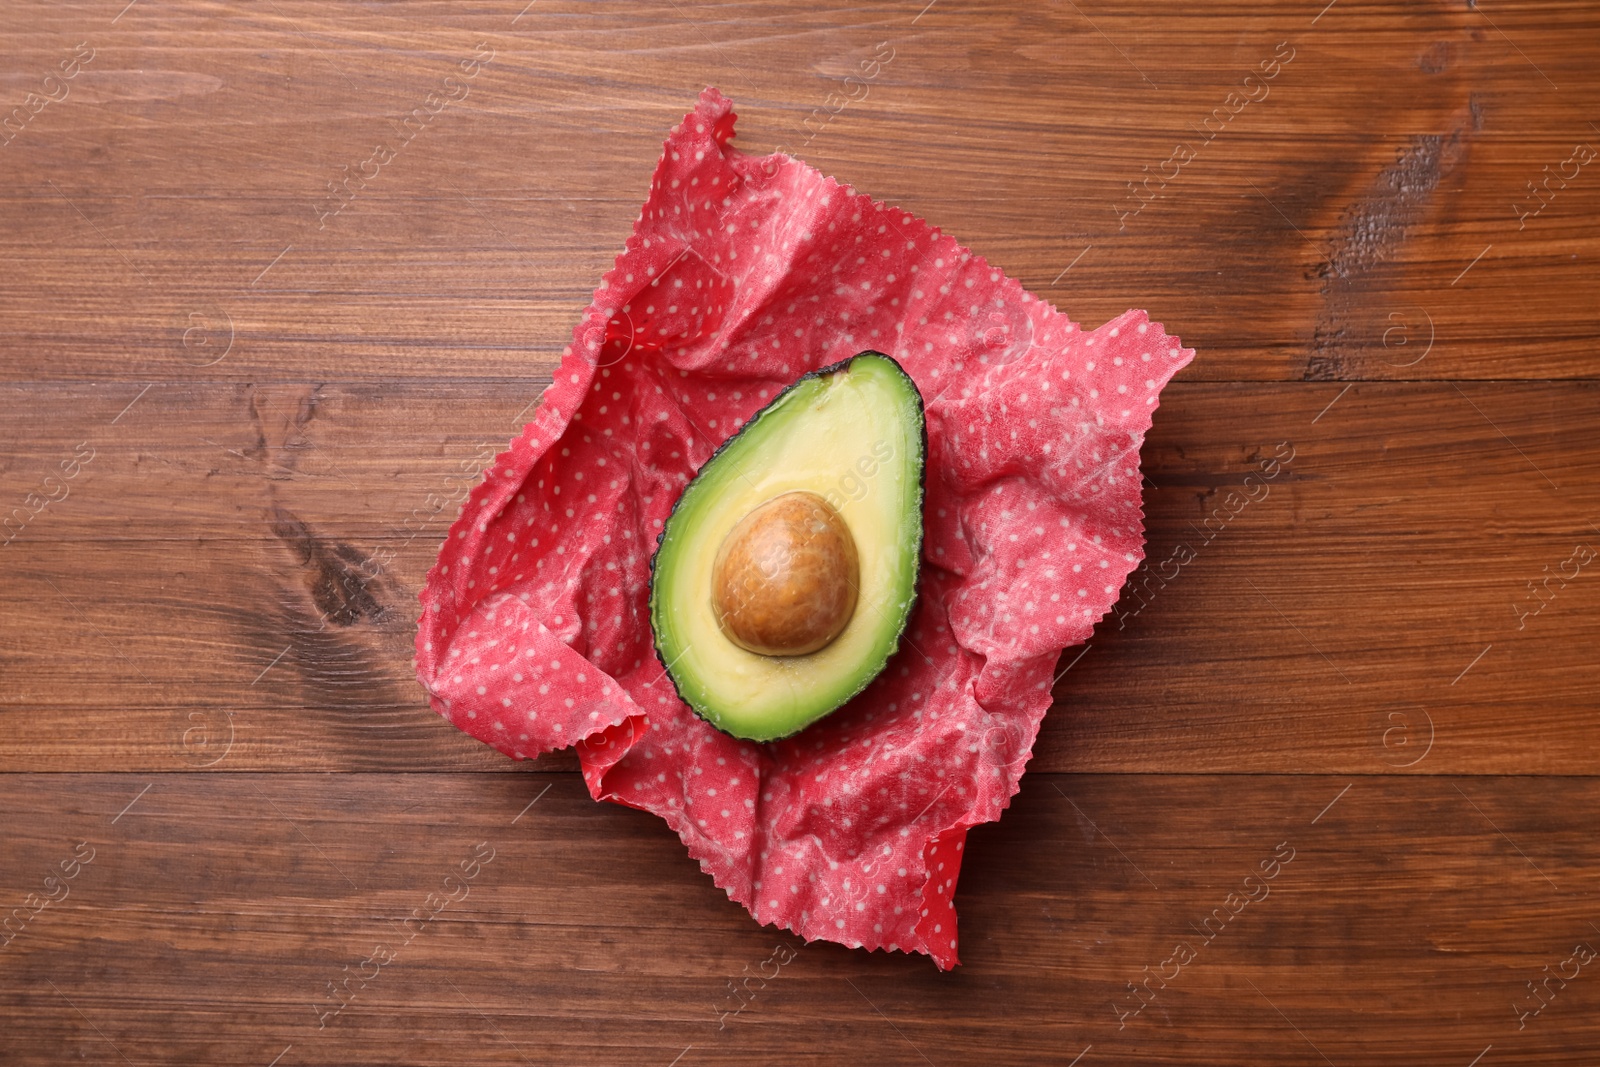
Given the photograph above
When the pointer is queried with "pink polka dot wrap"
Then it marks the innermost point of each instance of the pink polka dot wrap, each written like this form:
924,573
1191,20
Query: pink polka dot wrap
741,274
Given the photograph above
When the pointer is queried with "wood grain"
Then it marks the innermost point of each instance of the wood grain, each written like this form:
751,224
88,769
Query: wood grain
1274,629
1399,919
219,401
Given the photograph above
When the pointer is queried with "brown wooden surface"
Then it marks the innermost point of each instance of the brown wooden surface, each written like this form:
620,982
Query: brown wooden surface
200,687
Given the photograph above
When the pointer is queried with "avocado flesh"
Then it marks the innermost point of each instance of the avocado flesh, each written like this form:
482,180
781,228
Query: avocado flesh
852,433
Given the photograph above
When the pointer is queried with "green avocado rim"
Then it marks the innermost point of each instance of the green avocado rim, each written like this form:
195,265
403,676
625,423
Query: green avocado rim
916,577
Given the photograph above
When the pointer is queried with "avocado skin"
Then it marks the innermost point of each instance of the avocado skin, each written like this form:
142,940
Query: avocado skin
916,581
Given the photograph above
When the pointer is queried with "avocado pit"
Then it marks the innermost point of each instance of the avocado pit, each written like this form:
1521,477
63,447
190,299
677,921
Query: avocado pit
784,579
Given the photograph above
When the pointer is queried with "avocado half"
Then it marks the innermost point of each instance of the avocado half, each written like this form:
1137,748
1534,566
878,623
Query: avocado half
853,434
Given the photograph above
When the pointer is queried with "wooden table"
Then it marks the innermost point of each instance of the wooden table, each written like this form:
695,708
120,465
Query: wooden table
220,397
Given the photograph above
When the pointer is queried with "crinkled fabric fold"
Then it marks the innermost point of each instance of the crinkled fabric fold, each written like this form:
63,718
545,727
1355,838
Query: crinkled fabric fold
741,274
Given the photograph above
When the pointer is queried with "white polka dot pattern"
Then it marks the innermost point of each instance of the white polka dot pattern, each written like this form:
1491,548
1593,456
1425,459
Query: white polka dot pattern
741,274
